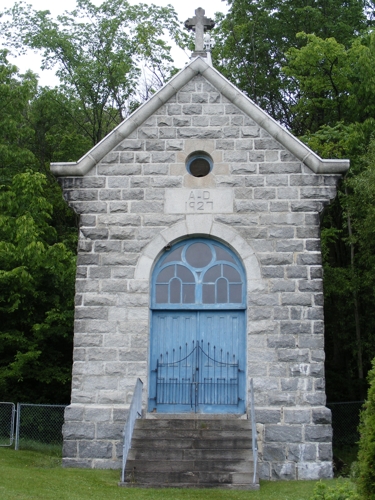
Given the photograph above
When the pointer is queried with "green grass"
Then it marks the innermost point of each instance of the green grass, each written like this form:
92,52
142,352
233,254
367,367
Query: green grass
27,474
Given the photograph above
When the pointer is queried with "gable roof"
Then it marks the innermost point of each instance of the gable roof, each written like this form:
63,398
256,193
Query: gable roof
234,95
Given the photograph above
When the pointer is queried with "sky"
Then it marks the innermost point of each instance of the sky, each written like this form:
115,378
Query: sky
184,10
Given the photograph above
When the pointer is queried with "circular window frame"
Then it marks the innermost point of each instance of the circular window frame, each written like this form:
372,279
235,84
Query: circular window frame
196,170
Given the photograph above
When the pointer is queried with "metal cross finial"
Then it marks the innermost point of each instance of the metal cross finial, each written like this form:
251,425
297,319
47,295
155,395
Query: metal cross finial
199,23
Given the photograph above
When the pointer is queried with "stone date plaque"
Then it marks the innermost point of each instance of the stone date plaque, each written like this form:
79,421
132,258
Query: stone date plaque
198,201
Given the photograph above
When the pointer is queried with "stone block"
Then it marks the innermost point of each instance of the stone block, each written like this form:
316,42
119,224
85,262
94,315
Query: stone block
314,471
312,219
262,300
254,180
278,168
296,299
274,452
264,471
281,232
78,430
278,180
184,97
281,341
200,121
283,433
311,341
313,398
130,145
302,453
78,464
285,471
268,416
174,109
97,414
275,259
89,207
289,246
244,144
297,416
106,464
264,193
174,145
293,355
318,433
231,132
95,449
282,286
265,384
296,384
112,431
191,109
281,399
272,272
70,449
74,412
325,452
160,157
321,415
181,122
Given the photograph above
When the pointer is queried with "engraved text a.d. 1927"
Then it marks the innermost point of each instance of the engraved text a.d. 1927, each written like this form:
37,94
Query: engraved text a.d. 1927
187,201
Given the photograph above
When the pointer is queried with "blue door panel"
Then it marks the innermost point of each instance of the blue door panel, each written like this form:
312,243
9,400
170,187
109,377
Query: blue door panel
197,362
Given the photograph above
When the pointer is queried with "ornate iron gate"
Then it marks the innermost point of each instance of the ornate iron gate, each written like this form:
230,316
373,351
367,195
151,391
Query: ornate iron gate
203,376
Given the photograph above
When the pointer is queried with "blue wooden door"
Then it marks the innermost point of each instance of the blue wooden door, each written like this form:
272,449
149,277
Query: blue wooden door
198,341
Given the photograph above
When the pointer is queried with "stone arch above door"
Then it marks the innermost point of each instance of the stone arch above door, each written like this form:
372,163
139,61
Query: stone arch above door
200,225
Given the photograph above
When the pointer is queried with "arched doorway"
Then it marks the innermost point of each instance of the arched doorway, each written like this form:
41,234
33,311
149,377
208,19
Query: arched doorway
198,333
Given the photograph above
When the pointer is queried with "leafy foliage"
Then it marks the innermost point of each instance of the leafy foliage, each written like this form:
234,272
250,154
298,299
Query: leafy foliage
36,294
366,455
253,39
101,54
344,491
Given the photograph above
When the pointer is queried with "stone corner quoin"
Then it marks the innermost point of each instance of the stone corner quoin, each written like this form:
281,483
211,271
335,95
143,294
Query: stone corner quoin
262,202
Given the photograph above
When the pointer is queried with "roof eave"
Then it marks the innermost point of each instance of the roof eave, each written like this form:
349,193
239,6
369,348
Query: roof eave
199,66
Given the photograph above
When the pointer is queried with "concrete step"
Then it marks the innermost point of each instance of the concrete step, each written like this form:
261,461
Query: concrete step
193,443
190,434
188,477
244,466
215,424
180,485
191,453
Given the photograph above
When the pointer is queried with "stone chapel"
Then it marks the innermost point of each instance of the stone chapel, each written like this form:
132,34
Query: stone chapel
199,269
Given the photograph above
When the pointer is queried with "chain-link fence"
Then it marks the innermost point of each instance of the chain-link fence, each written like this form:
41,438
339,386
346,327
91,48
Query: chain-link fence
7,413
345,421
43,423
39,424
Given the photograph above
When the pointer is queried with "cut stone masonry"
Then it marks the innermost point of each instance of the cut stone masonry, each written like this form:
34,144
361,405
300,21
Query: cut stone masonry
132,202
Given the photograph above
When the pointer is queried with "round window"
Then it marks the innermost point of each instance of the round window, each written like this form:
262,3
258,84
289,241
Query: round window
199,164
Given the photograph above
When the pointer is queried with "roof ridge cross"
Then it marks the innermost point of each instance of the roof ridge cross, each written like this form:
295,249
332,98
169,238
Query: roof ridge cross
199,23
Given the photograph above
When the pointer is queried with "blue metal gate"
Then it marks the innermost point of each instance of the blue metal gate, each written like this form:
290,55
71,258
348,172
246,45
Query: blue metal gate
198,379
198,340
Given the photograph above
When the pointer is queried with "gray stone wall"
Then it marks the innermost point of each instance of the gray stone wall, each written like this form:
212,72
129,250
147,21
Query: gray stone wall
126,206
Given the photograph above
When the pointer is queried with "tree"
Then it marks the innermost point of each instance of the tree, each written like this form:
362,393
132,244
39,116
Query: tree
15,134
99,52
335,83
366,454
254,37
37,275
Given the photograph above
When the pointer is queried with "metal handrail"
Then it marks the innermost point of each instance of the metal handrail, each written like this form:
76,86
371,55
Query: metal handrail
135,411
253,430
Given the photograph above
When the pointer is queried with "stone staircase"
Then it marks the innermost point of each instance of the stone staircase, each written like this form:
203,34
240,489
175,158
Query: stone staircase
191,453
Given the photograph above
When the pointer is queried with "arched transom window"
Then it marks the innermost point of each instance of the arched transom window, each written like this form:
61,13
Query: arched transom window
198,273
